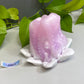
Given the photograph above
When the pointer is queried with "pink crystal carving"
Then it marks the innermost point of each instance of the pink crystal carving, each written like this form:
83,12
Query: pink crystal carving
46,38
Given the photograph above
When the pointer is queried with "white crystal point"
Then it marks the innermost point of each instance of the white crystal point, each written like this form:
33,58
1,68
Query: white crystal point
67,53
50,64
69,42
25,51
33,61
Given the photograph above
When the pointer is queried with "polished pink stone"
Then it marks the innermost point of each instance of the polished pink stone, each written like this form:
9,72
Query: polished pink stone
46,38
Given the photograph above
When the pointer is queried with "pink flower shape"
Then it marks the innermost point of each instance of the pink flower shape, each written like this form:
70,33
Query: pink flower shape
48,45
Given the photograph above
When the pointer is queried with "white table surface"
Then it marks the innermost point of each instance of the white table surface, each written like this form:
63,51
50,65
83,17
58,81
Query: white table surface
69,72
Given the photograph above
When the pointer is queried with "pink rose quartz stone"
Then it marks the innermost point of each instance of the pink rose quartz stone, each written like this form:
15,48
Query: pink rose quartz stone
46,38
